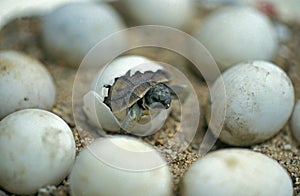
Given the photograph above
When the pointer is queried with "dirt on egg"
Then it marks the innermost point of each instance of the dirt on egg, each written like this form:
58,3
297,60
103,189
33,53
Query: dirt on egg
24,35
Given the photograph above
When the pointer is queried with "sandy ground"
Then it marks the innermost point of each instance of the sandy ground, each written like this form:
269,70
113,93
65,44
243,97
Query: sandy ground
24,35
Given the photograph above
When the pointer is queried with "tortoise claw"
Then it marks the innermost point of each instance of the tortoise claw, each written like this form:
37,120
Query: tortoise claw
107,86
134,114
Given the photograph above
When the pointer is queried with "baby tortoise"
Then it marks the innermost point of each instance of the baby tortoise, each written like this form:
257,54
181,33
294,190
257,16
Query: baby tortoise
131,97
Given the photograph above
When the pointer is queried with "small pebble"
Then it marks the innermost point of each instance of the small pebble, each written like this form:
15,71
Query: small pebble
287,147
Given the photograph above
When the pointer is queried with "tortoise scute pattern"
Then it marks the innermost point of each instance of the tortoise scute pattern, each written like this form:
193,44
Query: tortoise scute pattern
128,90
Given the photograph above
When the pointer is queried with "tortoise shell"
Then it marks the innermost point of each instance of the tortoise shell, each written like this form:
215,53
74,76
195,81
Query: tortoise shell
127,90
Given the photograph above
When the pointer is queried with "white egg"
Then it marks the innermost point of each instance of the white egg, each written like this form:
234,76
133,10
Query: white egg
235,34
259,101
70,31
120,166
24,83
236,172
295,121
99,113
37,148
173,13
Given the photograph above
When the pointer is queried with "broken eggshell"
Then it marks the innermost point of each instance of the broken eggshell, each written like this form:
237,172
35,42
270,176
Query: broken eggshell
99,114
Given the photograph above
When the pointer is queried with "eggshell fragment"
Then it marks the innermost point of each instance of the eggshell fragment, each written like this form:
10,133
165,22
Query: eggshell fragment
37,148
70,31
295,121
120,166
24,83
259,101
98,113
236,172
235,34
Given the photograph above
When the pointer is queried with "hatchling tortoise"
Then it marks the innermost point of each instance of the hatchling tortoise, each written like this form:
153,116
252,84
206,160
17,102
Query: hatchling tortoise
131,96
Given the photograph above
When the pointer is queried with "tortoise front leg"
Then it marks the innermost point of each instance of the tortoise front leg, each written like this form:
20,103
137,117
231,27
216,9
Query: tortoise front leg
134,114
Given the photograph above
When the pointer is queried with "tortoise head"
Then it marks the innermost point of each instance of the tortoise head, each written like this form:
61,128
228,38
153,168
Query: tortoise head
160,93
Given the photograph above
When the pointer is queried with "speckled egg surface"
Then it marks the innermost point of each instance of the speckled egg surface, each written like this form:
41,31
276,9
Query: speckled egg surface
24,83
37,148
236,172
259,101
